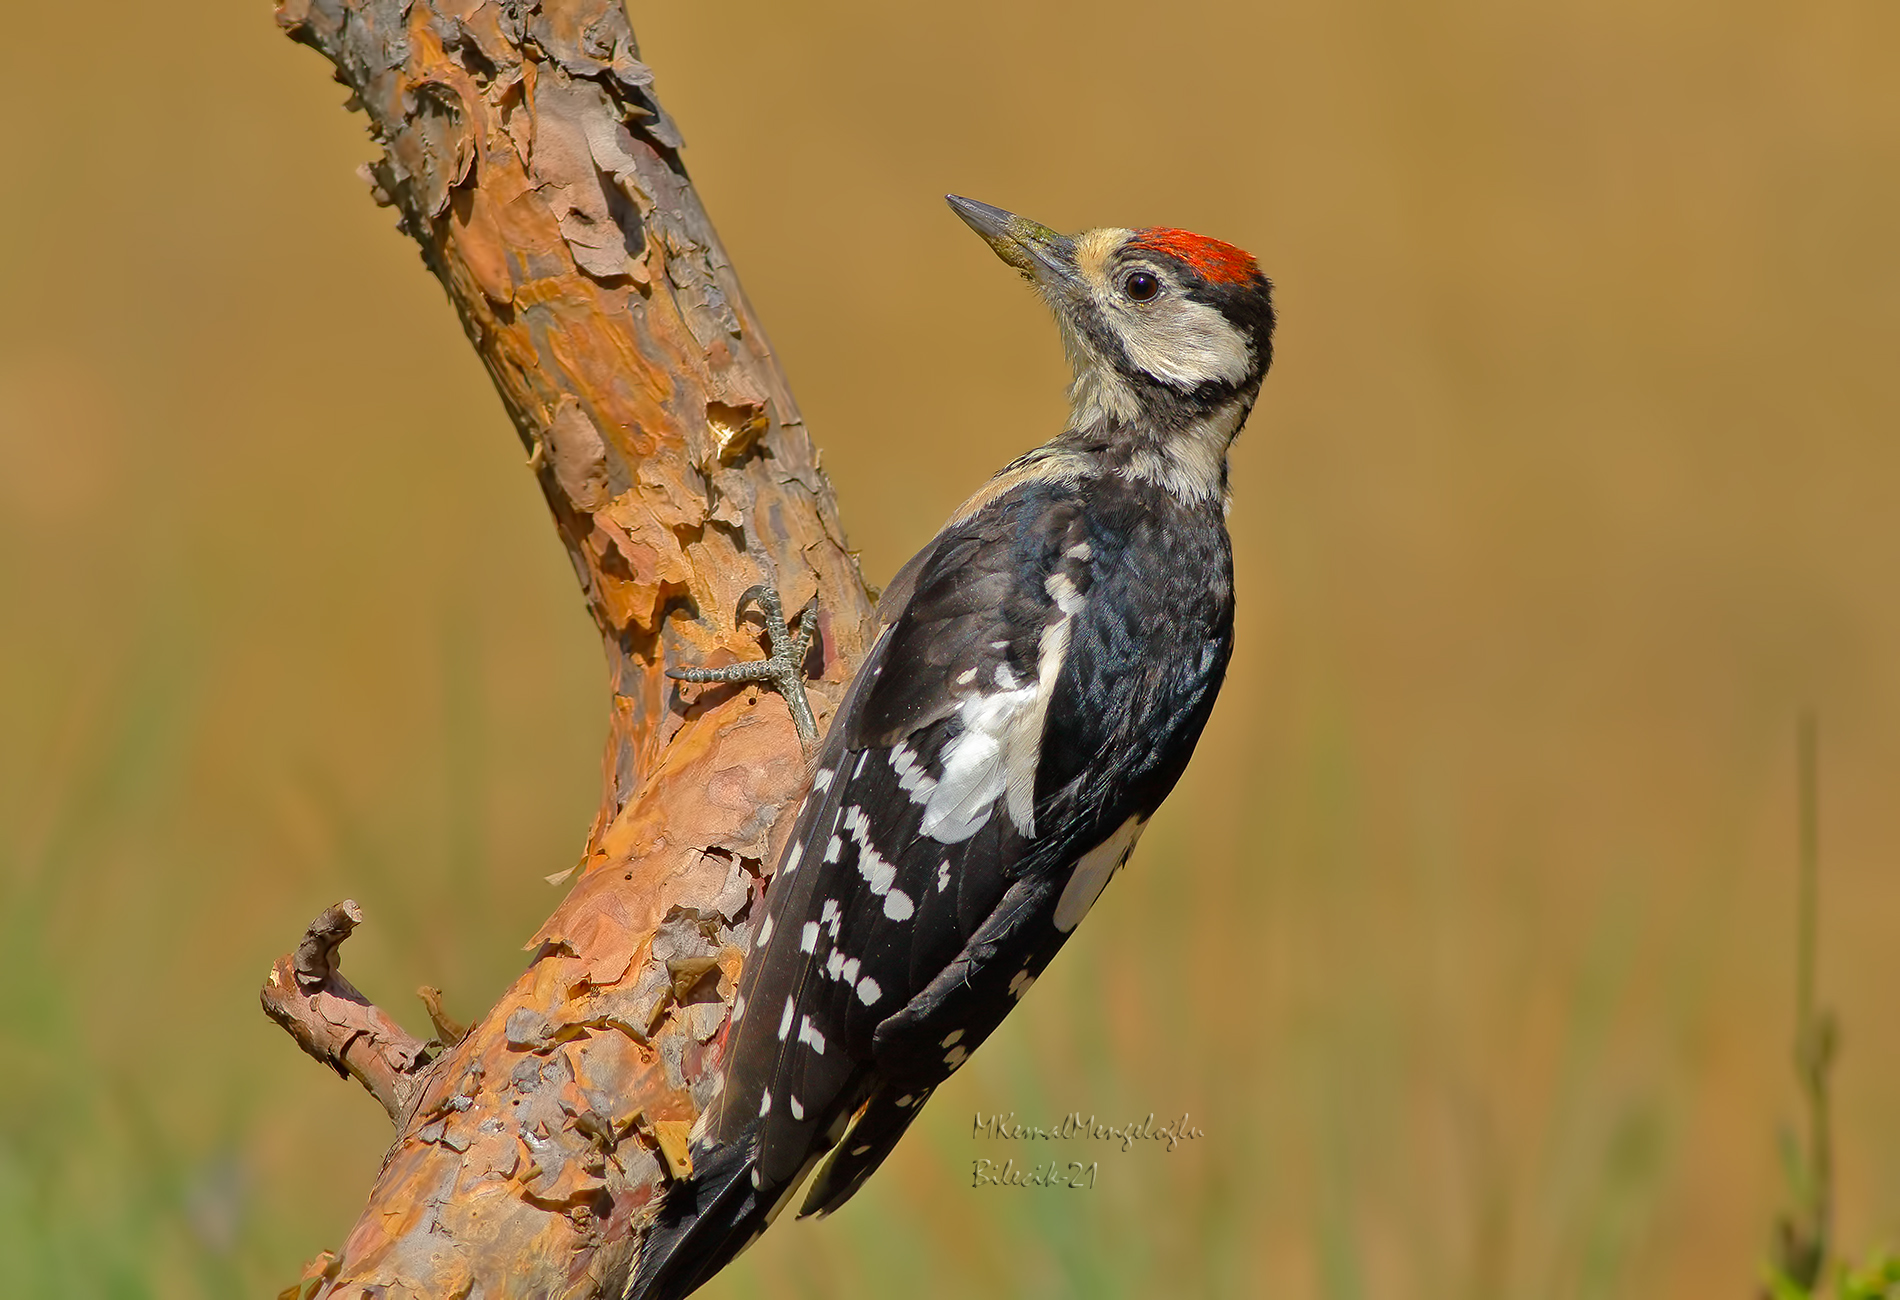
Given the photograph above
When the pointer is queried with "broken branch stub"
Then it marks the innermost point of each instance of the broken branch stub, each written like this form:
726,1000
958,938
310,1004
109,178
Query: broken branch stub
524,150
306,993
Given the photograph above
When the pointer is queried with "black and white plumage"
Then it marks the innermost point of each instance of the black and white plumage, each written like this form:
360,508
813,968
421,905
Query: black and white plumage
1044,669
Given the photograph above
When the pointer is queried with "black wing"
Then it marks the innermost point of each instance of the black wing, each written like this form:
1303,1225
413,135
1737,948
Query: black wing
1016,723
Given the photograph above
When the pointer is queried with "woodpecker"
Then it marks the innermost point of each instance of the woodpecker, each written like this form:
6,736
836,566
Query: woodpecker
1042,672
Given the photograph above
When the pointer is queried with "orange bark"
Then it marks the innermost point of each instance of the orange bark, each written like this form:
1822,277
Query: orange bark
526,154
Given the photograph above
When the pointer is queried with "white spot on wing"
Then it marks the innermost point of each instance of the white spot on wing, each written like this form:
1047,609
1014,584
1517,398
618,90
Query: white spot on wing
765,1108
791,858
798,1109
765,932
965,677
872,865
897,905
808,937
808,1034
833,849
785,1021
956,1056
821,780
868,991
1062,590
912,777
1021,984
952,1038
943,876
738,1008
1091,873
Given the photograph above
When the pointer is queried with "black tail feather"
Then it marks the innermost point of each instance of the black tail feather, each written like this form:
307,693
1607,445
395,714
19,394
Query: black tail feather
704,1221
863,1148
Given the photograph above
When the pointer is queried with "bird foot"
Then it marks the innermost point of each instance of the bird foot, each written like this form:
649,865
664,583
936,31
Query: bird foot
784,669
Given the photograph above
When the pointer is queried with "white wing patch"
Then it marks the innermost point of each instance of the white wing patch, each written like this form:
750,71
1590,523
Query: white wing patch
973,775
1092,873
1022,751
1063,592
997,752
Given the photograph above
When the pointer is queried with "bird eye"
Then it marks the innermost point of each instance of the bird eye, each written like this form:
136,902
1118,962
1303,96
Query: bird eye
1141,286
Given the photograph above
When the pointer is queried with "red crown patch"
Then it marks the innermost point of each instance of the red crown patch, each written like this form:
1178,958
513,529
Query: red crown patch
1212,260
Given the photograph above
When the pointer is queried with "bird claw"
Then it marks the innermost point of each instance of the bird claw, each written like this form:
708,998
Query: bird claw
783,669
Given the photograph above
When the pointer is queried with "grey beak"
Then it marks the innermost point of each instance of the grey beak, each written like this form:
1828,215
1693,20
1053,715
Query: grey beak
1034,249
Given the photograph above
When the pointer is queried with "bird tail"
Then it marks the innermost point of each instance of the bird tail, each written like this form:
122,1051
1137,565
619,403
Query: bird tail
873,1132
703,1223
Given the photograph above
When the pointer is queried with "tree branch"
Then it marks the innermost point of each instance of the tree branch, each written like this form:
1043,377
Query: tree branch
525,152
307,994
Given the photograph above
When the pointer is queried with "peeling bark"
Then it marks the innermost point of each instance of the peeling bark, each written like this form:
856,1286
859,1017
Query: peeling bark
525,152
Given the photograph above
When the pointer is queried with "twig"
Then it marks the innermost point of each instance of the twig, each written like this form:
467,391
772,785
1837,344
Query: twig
333,1022
447,1028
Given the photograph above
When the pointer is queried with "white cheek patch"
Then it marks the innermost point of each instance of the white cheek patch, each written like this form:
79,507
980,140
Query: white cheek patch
1184,343
1092,873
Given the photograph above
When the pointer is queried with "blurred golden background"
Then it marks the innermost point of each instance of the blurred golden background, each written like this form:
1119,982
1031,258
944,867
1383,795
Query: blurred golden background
1468,938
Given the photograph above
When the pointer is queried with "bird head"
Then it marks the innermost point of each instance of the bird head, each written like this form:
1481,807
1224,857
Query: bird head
1164,328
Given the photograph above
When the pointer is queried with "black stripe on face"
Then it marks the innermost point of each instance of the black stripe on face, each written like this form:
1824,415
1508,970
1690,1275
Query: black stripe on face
1174,408
1248,307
